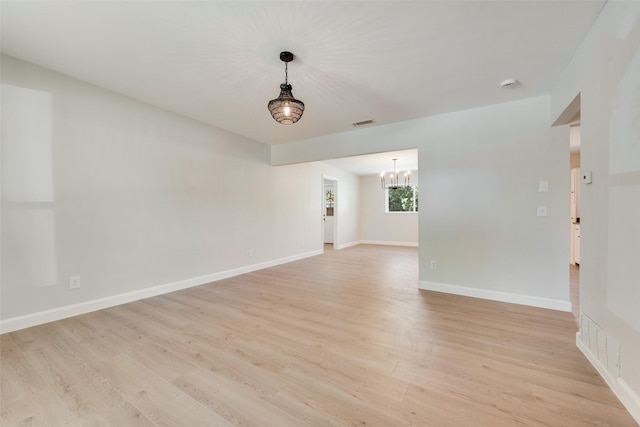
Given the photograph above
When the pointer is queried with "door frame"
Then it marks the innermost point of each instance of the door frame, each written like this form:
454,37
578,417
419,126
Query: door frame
323,211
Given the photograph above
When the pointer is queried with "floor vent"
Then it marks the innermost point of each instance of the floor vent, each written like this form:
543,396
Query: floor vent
604,347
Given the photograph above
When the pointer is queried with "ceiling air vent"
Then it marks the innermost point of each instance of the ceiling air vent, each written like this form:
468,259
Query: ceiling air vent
508,84
362,123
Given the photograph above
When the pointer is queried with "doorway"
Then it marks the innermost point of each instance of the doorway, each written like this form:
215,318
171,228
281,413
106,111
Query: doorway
329,212
574,226
571,118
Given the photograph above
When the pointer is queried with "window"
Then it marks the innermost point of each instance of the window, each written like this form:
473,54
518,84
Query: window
329,197
402,199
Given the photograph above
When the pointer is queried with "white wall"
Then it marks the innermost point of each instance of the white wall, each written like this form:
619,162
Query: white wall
379,227
478,178
605,71
478,216
137,200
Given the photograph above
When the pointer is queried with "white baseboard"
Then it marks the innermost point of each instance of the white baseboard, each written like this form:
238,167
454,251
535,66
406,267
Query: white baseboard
374,242
22,322
345,245
620,388
388,243
552,304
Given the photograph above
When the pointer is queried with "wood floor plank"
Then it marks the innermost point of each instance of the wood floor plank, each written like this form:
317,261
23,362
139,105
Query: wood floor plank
157,399
41,408
20,379
77,384
341,339
232,401
354,404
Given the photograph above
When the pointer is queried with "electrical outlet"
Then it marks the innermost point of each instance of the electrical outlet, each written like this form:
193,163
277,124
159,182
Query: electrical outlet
74,282
250,252
434,264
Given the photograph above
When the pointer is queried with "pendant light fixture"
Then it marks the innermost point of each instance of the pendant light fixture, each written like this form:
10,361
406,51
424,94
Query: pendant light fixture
285,109
394,178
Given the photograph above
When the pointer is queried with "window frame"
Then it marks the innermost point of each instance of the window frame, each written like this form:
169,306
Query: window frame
416,207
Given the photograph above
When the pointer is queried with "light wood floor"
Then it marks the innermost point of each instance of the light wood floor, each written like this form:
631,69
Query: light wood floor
339,339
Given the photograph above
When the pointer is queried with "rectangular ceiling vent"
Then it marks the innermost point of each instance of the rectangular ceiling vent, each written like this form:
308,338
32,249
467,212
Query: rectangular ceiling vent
362,123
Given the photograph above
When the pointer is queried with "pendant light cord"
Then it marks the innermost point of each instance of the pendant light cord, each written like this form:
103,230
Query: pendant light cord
286,73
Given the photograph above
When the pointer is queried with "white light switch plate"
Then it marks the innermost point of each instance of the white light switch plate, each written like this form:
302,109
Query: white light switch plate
543,186
542,210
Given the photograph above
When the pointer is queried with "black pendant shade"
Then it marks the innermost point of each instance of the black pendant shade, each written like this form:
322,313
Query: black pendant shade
285,109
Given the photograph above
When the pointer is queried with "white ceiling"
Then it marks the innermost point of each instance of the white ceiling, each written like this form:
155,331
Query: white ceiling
218,62
375,164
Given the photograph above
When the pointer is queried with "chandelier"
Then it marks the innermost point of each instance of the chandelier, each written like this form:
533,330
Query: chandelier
394,178
285,109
